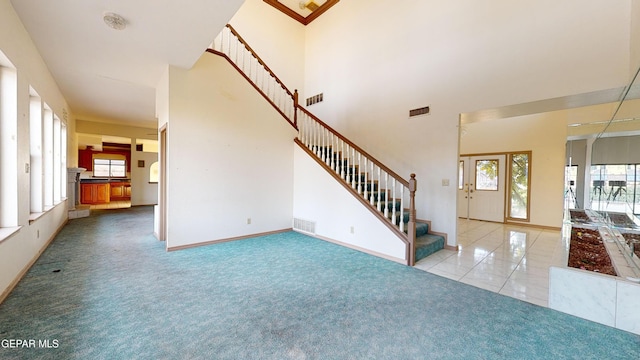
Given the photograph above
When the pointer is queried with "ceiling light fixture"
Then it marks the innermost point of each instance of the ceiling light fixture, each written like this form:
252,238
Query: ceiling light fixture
308,5
114,21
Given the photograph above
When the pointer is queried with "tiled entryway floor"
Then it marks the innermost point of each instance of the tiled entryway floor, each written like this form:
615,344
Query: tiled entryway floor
507,259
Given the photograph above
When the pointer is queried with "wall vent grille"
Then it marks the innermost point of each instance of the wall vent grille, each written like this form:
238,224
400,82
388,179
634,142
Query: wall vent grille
315,99
420,111
305,226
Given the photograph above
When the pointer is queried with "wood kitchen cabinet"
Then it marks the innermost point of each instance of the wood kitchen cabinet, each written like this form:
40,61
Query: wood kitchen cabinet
95,193
120,191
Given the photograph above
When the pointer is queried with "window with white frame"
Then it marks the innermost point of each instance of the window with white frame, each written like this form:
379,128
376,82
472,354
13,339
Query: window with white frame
47,156
35,146
8,144
109,167
57,159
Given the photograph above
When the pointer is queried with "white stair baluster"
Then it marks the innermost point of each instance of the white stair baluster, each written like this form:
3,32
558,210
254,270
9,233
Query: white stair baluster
386,195
364,187
359,182
237,46
372,191
324,147
402,208
320,136
393,211
341,165
338,158
308,125
332,151
353,166
346,165
379,189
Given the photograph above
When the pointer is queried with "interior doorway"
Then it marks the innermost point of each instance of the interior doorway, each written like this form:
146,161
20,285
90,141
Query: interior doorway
162,198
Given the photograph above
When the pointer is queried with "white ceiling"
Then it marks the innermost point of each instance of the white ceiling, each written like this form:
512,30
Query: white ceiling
110,75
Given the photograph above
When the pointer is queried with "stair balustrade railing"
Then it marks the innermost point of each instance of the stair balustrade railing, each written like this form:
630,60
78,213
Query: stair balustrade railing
389,196
230,45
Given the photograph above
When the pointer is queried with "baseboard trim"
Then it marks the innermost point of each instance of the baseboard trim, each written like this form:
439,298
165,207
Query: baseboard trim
543,227
24,271
182,247
355,247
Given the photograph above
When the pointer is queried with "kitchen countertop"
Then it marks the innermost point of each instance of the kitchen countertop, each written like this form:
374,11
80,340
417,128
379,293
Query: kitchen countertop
104,180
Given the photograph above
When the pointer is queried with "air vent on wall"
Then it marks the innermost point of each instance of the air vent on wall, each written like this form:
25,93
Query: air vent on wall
418,112
314,99
305,226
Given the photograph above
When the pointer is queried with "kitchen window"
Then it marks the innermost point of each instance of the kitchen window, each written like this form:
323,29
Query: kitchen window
109,168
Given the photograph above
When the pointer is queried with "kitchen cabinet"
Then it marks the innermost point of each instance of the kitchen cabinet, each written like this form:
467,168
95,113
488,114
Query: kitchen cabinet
120,191
93,193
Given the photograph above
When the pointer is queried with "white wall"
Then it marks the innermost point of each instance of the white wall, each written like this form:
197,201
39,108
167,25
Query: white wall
142,192
230,156
374,61
17,251
635,37
543,134
319,198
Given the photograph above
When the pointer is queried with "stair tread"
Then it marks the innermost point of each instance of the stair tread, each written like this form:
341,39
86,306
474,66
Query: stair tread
428,244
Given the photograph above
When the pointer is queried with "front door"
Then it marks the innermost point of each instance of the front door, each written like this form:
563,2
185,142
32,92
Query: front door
481,187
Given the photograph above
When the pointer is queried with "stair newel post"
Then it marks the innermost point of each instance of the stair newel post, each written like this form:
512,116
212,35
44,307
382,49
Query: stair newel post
411,231
295,107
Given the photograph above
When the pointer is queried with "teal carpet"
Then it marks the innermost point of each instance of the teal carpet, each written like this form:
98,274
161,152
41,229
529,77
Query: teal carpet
106,289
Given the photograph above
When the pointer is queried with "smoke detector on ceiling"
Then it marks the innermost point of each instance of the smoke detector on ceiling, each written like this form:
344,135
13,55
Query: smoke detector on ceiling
114,21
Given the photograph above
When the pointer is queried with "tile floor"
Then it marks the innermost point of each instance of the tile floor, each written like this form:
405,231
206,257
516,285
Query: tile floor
112,205
507,259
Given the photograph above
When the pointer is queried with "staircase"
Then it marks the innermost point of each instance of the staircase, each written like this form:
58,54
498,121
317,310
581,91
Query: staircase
387,195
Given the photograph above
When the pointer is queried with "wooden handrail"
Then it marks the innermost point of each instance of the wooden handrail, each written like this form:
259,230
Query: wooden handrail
409,237
356,147
253,53
216,52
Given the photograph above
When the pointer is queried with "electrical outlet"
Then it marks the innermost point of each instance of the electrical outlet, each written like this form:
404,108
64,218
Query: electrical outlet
248,221
352,230
445,182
